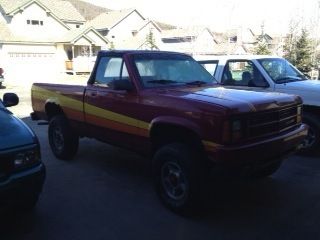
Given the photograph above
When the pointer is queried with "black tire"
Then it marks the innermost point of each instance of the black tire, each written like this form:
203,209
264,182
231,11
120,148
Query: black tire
179,177
62,139
27,203
311,144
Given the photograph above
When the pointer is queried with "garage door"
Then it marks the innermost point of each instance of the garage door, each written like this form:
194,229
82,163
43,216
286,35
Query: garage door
26,67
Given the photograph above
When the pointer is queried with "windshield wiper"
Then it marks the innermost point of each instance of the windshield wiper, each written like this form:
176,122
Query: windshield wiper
288,79
162,81
197,83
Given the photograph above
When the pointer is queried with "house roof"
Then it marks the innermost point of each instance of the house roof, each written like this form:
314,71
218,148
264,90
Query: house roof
110,19
75,34
146,23
63,10
184,32
229,48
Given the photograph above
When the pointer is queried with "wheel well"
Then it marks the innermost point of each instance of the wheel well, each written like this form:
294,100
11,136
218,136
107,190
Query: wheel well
312,109
162,134
52,109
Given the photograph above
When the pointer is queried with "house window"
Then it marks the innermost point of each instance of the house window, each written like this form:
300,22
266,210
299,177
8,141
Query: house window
77,26
134,32
35,22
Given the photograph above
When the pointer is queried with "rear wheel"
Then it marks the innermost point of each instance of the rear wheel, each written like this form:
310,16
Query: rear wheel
62,139
179,177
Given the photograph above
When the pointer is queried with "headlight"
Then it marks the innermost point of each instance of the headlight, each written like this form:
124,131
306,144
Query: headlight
26,158
299,114
233,131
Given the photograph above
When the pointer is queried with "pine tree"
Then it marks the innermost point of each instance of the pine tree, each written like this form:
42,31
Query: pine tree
262,48
289,48
150,41
303,52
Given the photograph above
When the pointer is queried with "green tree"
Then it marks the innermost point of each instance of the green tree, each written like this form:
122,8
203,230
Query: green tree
289,48
150,41
262,48
303,59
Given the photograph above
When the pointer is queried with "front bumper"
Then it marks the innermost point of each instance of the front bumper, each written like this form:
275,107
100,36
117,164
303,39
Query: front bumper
23,184
260,152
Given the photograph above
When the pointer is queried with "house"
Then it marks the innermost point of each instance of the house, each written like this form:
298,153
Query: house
42,35
193,41
126,29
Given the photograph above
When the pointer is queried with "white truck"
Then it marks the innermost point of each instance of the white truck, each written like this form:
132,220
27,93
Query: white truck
273,74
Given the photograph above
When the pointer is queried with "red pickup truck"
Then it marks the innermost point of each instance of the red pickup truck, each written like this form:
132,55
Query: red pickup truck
167,106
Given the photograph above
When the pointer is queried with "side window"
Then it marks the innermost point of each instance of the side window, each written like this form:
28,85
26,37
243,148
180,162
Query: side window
242,73
110,69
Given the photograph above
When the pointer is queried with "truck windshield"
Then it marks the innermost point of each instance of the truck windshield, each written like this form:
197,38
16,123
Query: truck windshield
281,71
169,69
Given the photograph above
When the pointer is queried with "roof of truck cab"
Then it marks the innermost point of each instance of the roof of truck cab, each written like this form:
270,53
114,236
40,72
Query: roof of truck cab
140,52
226,57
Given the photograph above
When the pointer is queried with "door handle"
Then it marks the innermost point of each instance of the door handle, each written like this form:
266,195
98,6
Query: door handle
93,94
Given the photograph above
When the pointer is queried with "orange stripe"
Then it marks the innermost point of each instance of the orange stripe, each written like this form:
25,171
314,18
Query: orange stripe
74,114
102,122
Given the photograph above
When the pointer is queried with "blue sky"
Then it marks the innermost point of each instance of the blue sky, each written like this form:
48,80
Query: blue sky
223,14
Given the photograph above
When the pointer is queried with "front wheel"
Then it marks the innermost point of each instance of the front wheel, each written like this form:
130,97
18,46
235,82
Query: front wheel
62,139
267,171
311,143
179,177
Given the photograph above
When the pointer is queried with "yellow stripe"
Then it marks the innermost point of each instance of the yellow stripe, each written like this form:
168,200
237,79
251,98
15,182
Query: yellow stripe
51,96
90,109
211,144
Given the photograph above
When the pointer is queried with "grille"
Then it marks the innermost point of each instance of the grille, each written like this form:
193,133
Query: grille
272,122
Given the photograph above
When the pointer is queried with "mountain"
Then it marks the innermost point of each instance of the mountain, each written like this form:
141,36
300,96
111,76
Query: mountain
87,10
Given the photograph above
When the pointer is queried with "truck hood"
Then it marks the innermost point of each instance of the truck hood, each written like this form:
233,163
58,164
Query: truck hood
13,132
240,100
308,90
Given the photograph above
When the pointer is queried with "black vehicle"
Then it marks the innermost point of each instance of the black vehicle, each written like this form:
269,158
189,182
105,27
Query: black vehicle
22,173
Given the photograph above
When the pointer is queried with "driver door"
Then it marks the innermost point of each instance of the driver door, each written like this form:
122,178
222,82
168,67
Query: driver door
110,114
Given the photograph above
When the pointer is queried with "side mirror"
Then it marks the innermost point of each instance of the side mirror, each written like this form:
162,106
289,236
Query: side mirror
123,84
10,99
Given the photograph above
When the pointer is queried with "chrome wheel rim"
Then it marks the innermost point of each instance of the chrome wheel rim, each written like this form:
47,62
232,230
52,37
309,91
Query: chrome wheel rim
174,181
310,138
58,139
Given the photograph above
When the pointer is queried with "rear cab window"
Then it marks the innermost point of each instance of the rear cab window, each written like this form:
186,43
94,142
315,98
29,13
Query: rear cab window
110,69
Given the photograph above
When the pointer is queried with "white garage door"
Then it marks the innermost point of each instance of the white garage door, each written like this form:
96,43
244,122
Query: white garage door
26,67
